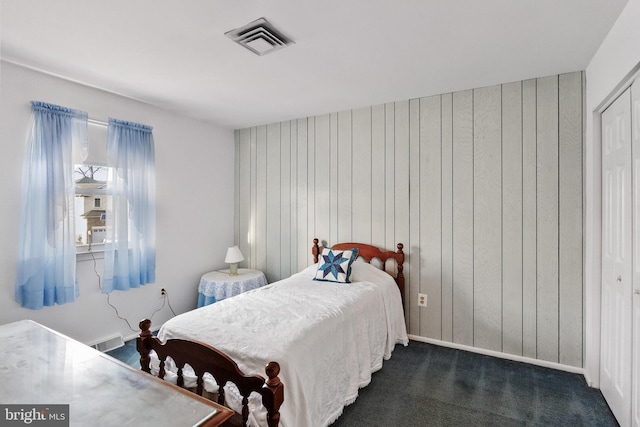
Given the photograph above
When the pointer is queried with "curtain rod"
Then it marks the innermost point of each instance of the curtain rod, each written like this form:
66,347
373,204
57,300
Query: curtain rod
97,122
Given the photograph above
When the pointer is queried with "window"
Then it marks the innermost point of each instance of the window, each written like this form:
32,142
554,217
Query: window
91,204
90,176
73,196
115,172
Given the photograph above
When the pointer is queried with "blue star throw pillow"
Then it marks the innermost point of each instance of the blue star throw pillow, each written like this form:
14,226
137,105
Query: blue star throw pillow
335,265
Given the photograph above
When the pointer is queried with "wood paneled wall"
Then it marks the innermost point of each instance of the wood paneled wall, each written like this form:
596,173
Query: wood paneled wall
484,187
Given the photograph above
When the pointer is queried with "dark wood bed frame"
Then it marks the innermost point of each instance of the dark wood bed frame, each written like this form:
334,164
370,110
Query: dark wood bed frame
204,358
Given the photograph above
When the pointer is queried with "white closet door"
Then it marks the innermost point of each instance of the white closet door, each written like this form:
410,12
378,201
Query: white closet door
635,357
615,366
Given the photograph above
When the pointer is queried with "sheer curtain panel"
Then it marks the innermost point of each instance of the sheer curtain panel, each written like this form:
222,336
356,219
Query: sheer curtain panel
130,248
46,273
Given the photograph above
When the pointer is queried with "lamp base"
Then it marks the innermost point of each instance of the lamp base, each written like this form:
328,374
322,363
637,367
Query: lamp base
233,269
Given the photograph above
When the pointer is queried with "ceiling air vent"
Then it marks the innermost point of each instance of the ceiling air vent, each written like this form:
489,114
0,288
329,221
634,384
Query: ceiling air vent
259,37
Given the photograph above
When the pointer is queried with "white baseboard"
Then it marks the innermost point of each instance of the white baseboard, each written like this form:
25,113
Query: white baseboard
501,355
108,343
589,380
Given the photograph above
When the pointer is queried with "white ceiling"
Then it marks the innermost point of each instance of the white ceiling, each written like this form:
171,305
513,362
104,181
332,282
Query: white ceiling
347,53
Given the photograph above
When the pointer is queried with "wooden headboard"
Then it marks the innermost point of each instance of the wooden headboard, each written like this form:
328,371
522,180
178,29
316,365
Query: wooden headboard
368,253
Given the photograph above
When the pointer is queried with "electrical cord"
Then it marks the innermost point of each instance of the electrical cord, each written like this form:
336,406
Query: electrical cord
165,300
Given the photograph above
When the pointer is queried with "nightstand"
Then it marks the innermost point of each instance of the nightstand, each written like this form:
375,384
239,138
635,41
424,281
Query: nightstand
218,285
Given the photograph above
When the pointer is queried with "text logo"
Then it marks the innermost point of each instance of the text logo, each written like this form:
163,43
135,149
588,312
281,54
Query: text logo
34,415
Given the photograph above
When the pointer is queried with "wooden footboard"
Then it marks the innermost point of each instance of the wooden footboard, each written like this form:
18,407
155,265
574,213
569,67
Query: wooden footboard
205,358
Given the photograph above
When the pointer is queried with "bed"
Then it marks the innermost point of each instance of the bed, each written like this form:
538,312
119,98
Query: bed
326,336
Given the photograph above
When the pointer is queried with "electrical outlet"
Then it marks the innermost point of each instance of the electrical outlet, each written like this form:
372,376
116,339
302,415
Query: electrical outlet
422,300
162,294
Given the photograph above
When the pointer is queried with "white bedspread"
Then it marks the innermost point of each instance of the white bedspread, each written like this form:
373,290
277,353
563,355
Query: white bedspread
327,337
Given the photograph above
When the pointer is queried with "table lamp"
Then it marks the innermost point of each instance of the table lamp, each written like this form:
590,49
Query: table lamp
234,256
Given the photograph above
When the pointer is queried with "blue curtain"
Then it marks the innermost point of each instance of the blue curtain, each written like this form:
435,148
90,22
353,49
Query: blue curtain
130,248
46,273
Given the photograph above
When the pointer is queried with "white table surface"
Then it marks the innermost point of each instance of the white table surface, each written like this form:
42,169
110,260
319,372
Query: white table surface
40,366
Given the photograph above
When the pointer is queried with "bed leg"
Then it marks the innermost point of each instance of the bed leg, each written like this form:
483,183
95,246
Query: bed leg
276,395
142,346
245,410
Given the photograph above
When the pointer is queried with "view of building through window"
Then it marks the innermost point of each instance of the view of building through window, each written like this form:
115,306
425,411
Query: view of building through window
91,203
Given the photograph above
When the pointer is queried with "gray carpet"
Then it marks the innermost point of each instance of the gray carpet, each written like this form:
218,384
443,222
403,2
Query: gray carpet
428,385
127,354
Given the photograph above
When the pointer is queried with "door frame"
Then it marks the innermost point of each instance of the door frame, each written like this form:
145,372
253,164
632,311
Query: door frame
593,234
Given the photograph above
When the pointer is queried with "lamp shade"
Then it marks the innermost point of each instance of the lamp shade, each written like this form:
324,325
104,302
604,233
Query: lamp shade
233,255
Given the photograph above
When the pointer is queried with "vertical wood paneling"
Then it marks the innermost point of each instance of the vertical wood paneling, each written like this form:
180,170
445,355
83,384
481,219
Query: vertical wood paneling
487,206
273,197
333,178
547,227
447,216
378,175
529,219
304,242
293,130
389,176
236,186
585,330
512,218
261,200
285,200
253,170
570,256
483,186
243,213
419,317
322,179
362,174
430,192
311,180
345,169
462,310
401,218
